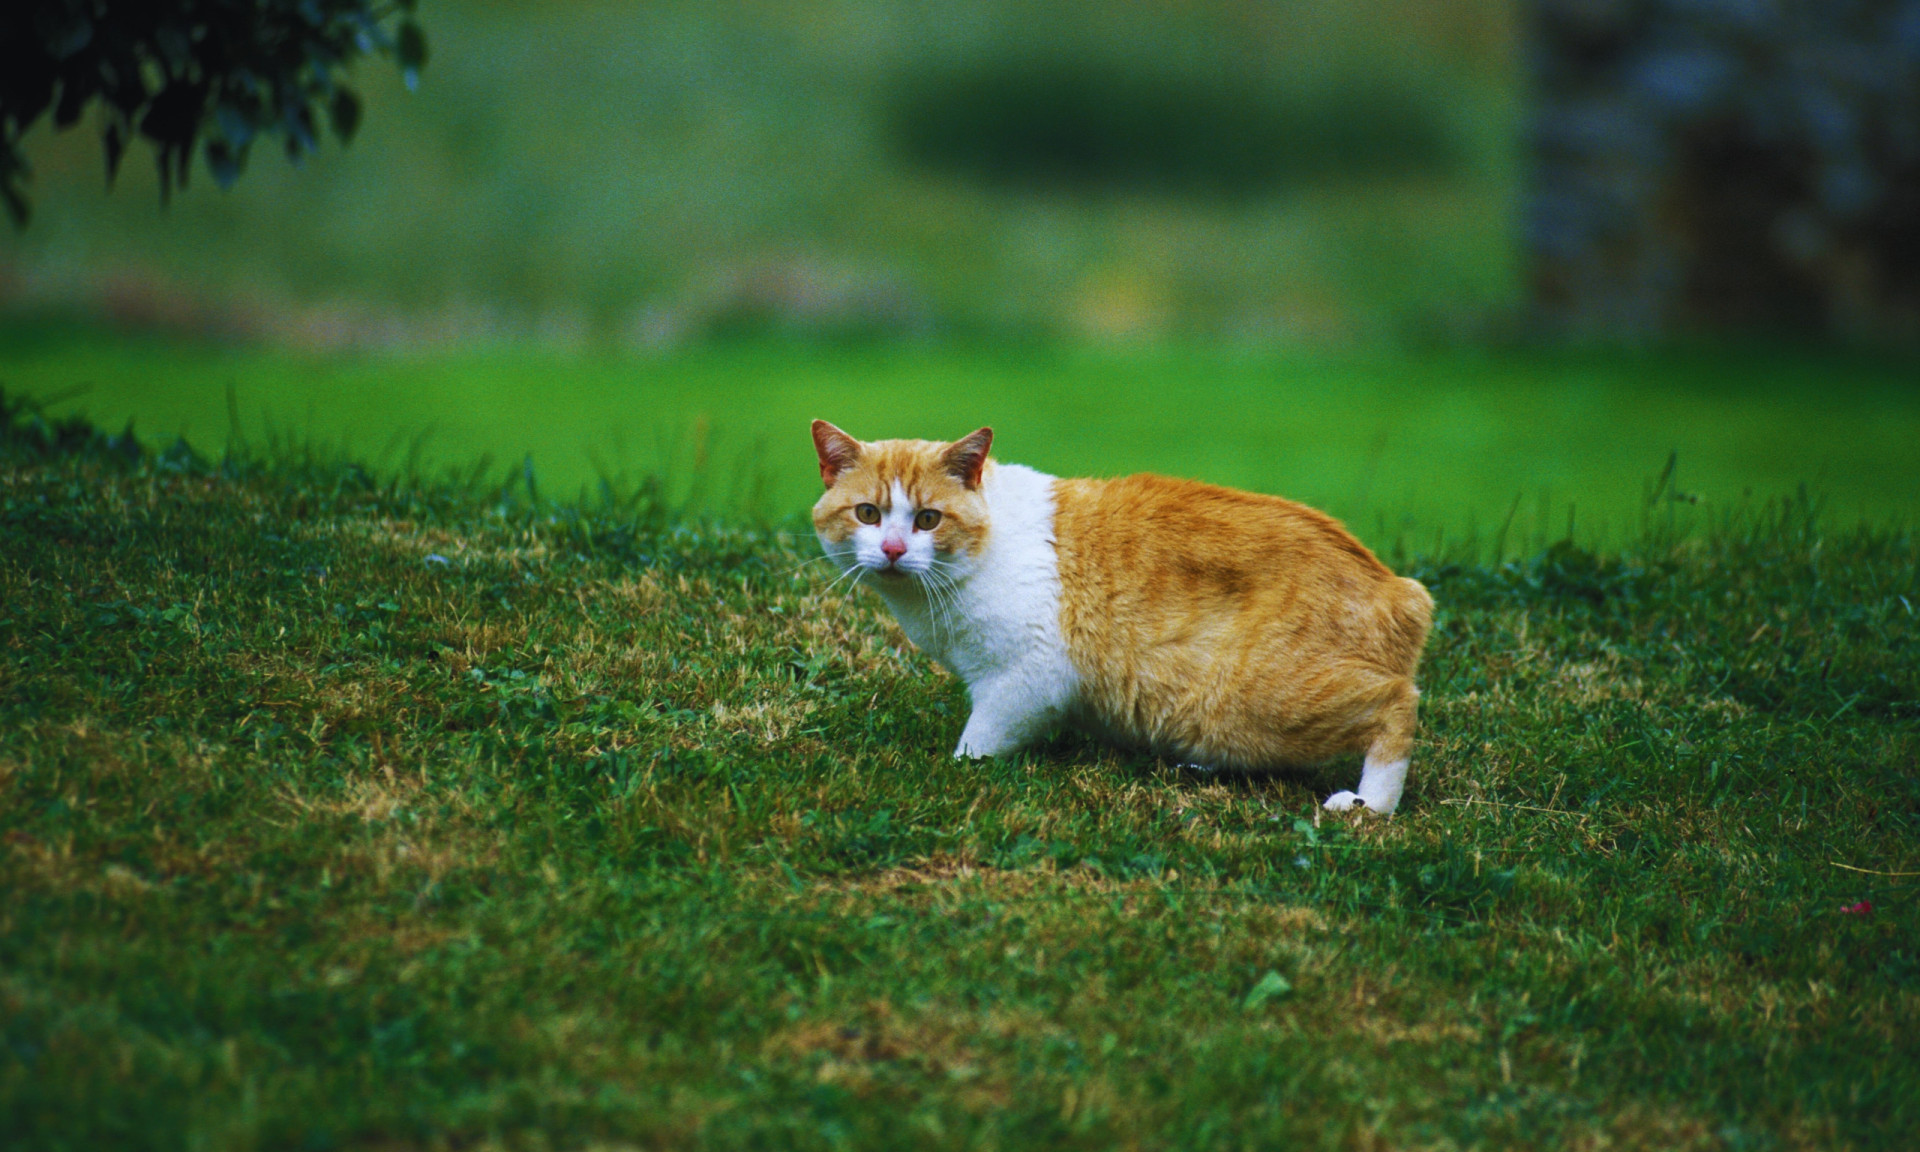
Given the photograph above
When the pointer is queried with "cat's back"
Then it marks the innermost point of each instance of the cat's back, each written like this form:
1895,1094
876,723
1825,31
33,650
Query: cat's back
1201,533
1183,603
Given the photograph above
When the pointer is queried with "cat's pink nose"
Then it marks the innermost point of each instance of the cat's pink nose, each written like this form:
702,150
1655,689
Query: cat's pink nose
894,549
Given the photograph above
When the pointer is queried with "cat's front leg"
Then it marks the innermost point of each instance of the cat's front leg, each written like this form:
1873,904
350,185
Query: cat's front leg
1008,713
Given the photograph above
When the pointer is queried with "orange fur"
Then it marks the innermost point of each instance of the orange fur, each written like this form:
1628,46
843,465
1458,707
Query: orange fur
1233,629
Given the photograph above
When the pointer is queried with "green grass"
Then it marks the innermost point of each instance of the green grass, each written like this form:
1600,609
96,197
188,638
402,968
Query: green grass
1407,448
339,813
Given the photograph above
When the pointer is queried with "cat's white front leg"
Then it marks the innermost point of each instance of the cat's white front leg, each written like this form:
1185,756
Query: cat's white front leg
1008,713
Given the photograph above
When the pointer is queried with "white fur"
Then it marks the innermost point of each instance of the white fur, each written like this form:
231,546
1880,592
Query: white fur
1381,782
993,618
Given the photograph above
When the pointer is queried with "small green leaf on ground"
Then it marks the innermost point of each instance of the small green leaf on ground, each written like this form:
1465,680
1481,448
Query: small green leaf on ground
1272,986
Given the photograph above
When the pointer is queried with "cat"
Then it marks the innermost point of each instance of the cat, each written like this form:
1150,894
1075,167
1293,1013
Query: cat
1223,629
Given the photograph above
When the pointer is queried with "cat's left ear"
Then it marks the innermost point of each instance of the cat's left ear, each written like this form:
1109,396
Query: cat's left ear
838,451
964,458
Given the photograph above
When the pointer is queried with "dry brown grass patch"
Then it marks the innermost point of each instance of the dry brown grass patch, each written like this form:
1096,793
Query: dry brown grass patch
854,1050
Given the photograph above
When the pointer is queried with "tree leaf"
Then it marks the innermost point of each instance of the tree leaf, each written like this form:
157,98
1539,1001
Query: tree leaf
345,113
114,139
194,78
412,46
1272,986
17,206
224,162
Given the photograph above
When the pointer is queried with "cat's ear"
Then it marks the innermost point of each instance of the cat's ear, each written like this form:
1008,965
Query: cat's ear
964,458
838,451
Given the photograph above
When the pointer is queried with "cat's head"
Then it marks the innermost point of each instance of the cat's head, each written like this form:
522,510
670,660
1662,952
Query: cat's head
901,508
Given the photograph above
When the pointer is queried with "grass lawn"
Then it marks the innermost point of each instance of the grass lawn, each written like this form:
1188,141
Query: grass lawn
337,813
1408,448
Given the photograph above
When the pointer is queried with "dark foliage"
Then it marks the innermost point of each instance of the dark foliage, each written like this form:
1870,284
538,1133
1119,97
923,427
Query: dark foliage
180,72
1727,166
1095,125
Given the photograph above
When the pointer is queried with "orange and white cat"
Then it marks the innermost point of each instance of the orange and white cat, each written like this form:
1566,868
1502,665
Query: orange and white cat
1220,628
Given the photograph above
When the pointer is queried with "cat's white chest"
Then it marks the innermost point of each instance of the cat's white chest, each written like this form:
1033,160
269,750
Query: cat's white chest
995,620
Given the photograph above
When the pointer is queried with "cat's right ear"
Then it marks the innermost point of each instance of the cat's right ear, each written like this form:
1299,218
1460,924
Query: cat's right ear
965,457
838,451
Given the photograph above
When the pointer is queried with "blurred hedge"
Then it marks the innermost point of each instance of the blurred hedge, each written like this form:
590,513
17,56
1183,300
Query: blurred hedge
1726,166
1116,125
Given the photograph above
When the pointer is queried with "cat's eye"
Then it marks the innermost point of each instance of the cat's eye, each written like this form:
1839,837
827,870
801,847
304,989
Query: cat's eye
867,513
927,519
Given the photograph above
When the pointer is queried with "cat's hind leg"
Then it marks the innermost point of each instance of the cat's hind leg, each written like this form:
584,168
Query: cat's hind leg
1381,782
1384,776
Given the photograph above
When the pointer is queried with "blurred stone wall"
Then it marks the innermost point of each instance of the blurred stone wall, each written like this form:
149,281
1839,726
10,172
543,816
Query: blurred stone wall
1725,167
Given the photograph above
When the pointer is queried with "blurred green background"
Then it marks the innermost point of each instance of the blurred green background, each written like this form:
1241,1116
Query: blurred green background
644,173
1267,244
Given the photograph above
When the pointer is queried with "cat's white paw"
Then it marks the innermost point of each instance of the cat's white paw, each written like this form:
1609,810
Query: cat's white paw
1343,801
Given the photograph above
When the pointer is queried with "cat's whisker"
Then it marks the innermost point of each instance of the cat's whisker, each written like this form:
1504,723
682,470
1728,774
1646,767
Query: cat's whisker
948,591
851,570
944,570
850,576
940,588
832,562
941,596
811,560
